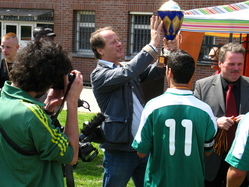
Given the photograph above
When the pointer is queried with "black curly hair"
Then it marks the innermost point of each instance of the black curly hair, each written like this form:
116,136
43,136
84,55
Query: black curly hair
40,65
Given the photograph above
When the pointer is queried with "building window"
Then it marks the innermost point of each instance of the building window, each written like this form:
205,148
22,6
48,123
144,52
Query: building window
85,25
37,15
207,44
139,31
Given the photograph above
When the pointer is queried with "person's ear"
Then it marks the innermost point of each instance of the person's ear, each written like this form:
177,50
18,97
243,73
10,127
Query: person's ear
100,51
219,63
170,72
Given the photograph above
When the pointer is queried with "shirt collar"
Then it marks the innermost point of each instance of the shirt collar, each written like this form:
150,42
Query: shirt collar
15,92
178,91
106,63
226,82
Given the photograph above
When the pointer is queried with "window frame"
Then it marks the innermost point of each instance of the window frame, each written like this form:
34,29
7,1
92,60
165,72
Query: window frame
133,26
207,44
86,52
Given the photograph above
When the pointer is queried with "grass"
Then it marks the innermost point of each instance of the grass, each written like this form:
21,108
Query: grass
88,174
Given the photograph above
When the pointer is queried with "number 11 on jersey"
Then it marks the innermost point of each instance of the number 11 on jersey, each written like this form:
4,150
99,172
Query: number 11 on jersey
188,125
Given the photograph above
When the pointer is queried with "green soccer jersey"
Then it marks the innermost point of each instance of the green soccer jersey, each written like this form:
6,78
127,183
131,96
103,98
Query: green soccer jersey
175,129
25,122
238,155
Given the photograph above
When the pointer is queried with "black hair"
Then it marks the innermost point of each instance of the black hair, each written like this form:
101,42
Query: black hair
182,66
40,65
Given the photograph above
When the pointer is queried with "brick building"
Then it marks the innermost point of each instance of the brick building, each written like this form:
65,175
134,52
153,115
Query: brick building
74,20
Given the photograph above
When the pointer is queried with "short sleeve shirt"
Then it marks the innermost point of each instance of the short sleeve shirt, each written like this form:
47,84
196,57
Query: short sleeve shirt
175,129
238,155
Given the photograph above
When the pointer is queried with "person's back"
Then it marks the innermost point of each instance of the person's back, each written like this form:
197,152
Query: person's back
176,130
20,170
39,149
181,125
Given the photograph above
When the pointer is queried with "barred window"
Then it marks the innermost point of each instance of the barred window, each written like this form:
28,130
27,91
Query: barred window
85,25
139,31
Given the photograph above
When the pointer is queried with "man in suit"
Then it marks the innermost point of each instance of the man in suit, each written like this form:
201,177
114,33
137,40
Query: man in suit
212,90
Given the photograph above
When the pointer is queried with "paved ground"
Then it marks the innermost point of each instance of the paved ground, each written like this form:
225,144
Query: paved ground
87,95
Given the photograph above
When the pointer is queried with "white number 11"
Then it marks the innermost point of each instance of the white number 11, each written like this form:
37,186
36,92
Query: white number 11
188,125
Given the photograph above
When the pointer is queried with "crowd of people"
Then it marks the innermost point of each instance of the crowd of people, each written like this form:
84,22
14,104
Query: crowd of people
180,138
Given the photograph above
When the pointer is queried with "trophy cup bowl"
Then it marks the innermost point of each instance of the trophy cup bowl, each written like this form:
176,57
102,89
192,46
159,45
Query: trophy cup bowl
172,17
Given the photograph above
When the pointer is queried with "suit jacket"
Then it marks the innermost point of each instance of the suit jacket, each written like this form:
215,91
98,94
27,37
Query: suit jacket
113,88
210,90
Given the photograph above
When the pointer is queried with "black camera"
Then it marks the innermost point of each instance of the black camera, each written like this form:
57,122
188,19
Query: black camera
59,85
91,132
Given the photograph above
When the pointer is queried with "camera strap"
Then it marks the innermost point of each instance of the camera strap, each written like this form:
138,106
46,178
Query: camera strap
14,145
69,175
63,101
68,168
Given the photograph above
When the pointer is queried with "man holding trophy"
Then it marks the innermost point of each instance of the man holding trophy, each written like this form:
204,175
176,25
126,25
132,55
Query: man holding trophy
118,91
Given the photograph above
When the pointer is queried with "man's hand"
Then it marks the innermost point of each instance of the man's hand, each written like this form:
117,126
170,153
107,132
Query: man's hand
170,45
155,30
54,98
238,118
225,122
76,86
141,155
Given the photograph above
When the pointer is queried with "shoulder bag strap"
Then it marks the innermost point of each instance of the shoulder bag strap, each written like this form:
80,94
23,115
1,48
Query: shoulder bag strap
14,145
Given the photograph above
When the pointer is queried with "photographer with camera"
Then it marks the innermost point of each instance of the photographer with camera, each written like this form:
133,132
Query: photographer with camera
32,150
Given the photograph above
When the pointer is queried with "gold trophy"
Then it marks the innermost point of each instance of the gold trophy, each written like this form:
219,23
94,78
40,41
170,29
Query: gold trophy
172,16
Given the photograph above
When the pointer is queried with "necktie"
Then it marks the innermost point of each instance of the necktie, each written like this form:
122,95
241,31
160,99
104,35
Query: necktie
225,138
230,111
230,102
